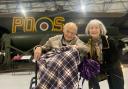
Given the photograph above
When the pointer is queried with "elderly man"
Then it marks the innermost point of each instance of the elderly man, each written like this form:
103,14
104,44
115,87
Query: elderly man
58,68
68,38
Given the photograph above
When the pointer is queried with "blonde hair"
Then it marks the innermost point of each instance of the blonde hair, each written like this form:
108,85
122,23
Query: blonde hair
71,25
98,23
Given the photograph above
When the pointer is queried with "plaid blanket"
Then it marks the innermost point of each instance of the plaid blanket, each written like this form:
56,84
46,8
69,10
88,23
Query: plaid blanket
58,69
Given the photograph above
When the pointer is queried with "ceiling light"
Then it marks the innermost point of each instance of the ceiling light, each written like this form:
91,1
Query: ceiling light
82,5
23,11
82,8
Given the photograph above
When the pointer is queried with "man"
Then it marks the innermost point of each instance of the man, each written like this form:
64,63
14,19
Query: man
55,77
68,37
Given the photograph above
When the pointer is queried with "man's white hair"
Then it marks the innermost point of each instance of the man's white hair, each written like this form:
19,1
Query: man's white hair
98,23
72,25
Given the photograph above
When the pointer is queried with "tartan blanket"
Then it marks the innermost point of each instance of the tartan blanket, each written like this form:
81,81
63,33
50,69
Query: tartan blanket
58,69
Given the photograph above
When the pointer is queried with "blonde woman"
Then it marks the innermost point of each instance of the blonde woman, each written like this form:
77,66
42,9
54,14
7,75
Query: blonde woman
103,49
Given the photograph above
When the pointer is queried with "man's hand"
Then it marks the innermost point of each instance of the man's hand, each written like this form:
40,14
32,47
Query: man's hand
37,53
75,46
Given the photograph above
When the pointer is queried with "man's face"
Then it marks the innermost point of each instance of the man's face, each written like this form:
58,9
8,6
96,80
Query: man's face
69,33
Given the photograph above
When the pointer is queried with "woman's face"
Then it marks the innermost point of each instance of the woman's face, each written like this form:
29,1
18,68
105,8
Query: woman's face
94,31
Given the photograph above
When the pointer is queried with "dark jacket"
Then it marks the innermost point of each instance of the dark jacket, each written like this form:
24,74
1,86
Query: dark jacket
111,64
110,51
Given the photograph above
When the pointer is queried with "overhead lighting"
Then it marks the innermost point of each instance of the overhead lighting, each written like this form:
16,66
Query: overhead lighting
82,5
23,11
82,8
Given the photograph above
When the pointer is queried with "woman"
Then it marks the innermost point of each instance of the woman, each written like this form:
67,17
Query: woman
105,52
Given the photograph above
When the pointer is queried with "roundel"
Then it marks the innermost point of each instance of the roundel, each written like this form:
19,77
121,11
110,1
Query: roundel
44,24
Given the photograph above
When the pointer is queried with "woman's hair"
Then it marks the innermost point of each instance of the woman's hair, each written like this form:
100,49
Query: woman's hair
98,23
